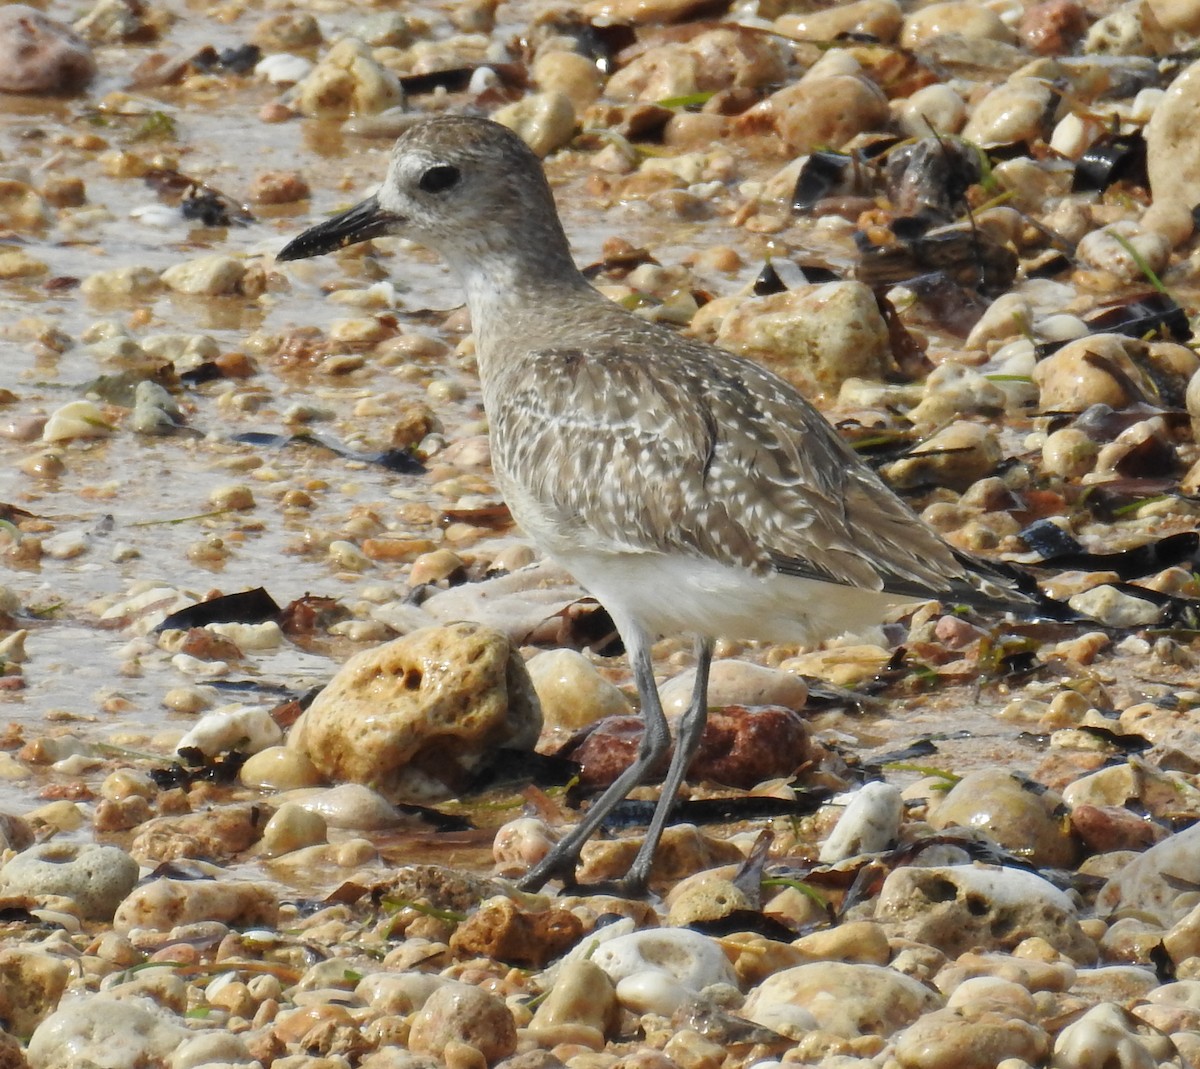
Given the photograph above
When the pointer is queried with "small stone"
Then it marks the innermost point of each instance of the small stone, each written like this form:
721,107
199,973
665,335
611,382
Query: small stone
848,1000
826,334
1012,112
164,903
279,768
349,806
31,984
292,828
1052,27
104,1029
869,824
959,18
1153,881
970,1037
573,75
582,994
278,187
461,1013
571,690
819,113
1077,376
235,496
733,682
501,931
415,717
1114,607
1018,815
1107,1035
1106,250
348,81
878,18
206,276
95,877
656,969
39,54
544,121
935,106
246,728
956,456
955,908
76,419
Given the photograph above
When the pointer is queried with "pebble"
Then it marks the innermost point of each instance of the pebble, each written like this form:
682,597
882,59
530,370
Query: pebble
970,1038
1018,815
1172,142
76,419
463,1014
1010,113
656,970
1114,607
956,457
1106,1035
458,692
164,903
955,908
94,877
733,682
520,844
959,18
282,68
820,113
1129,30
544,121
573,75
246,728
952,390
347,81
279,768
106,1030
1151,881
349,806
291,828
572,692
823,334
39,54
845,999
1077,376
881,19
868,824
935,106
1105,250
215,275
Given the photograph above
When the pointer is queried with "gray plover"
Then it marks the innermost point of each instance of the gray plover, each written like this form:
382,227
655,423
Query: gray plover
689,490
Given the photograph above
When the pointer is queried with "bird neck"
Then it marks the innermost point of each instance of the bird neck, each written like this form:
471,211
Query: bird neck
517,299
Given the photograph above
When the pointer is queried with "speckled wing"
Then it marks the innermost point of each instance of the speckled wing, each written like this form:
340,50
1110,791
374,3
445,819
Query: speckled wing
694,450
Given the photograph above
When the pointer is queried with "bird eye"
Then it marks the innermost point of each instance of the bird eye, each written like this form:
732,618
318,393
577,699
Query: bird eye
439,178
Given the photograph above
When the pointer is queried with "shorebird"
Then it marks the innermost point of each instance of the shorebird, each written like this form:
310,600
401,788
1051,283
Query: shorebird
689,490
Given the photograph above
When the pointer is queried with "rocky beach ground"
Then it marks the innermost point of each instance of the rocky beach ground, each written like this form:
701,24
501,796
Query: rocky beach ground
275,659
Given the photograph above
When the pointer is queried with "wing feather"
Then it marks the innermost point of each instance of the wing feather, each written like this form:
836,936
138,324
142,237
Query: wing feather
696,451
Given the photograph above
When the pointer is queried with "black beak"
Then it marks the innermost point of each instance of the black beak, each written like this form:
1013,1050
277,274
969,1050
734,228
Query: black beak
363,221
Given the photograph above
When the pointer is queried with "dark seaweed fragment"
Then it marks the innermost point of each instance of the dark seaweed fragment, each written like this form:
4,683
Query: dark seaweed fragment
245,607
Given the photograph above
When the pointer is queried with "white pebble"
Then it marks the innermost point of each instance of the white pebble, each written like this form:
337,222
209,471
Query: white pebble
248,728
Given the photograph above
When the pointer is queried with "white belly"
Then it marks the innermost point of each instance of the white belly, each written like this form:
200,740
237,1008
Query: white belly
668,595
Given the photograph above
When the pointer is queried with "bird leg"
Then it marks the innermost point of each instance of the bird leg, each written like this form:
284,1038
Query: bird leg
687,742
656,739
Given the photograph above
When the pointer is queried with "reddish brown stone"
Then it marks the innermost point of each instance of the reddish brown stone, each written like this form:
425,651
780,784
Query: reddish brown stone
1105,828
1053,27
742,746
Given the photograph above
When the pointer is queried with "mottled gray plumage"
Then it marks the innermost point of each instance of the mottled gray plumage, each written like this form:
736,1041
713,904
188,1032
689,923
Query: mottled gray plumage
689,489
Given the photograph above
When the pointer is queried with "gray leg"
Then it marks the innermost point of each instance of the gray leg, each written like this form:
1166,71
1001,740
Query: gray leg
691,731
656,740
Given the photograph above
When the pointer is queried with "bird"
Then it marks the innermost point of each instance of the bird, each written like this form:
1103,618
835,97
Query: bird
689,490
